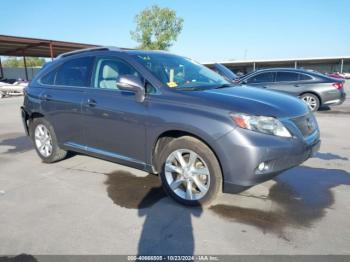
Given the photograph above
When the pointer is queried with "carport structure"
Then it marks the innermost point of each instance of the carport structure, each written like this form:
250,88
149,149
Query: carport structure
34,47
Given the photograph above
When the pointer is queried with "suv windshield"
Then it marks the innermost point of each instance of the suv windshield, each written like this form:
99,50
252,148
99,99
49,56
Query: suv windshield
180,72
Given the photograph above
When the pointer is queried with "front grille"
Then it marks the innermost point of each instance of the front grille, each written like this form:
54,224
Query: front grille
306,124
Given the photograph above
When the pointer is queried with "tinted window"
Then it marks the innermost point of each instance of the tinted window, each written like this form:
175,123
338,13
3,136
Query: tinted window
108,70
76,72
286,76
304,77
262,78
49,79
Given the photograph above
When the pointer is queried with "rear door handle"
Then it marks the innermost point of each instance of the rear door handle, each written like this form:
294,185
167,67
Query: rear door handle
296,85
91,102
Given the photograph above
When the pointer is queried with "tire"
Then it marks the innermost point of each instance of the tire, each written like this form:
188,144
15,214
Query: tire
195,182
311,100
45,141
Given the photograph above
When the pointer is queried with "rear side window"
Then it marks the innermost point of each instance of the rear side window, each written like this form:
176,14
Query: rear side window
262,78
75,72
287,77
304,77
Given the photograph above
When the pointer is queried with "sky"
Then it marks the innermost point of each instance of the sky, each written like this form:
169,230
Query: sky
213,30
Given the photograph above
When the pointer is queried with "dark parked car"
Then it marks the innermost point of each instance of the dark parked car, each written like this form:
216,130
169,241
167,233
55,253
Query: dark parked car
312,87
224,72
167,115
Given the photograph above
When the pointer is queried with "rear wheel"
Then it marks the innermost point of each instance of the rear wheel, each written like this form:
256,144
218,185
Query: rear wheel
45,141
191,174
311,100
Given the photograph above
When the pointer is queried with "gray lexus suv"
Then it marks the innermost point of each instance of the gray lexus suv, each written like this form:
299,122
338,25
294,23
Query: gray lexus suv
166,115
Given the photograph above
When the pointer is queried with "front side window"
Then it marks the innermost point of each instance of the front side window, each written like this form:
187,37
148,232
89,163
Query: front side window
261,78
287,77
108,70
75,72
180,72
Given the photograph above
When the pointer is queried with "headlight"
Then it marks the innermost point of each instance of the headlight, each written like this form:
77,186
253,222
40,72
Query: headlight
263,124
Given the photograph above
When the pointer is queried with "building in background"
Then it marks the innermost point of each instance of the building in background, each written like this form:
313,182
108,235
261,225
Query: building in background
322,64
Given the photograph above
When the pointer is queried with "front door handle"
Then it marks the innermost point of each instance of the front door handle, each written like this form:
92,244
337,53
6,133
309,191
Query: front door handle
91,102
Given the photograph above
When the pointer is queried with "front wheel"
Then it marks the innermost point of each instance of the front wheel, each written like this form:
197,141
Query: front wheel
312,101
191,173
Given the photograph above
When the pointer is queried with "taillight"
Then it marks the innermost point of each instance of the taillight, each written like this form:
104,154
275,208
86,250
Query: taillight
338,85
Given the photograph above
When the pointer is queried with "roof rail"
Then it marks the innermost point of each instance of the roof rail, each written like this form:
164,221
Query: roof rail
99,48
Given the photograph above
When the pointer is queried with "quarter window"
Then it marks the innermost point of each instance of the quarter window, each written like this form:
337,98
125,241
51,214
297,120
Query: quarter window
108,71
262,78
76,72
304,77
49,79
286,76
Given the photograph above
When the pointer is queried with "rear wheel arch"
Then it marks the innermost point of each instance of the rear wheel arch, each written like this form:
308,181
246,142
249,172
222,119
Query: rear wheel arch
31,117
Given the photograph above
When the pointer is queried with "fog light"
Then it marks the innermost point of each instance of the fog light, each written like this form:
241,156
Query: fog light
262,166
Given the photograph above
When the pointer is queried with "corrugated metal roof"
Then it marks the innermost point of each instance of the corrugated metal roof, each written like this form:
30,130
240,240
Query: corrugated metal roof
25,46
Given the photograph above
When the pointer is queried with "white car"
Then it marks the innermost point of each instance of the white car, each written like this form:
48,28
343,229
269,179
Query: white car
346,75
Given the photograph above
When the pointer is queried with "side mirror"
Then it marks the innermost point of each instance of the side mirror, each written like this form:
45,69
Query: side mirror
134,84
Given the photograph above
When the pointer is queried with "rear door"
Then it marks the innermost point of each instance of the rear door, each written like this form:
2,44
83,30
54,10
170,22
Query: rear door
114,122
288,82
62,97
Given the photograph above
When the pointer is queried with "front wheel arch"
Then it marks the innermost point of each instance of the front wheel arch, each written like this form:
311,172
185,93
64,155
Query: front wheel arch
169,135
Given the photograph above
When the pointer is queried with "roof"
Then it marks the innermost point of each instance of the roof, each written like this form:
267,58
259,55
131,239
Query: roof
285,69
25,46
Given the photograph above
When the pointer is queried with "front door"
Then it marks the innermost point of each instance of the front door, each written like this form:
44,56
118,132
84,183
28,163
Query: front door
262,80
114,122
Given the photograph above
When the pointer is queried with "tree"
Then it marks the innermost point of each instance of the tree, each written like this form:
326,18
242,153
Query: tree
18,62
157,28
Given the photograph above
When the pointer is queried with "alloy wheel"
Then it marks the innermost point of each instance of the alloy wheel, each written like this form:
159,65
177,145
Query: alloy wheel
43,140
187,174
310,101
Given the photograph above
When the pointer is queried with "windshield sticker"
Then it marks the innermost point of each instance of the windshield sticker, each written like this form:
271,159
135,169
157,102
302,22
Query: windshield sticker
171,84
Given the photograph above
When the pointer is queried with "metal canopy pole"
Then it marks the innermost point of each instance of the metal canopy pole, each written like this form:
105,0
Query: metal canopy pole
1,70
25,67
254,66
51,50
295,64
341,66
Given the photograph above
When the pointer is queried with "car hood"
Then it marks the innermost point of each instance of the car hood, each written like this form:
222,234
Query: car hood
255,101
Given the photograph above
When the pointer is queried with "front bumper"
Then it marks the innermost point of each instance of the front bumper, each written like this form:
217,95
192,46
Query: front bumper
241,152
